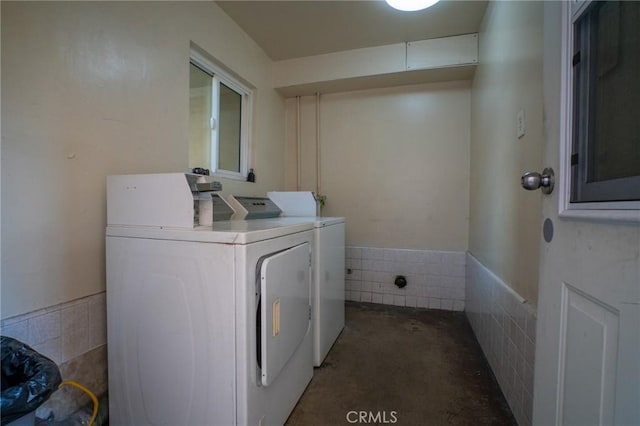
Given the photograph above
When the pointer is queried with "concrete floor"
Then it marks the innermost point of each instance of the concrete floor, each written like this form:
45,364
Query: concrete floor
403,366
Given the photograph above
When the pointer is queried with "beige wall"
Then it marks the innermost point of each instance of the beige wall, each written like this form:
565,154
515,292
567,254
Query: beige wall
394,162
0,154
92,89
505,219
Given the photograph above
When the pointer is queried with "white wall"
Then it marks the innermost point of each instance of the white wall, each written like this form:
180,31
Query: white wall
92,89
505,219
394,162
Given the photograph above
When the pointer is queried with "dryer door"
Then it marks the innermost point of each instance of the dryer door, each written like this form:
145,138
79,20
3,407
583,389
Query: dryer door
285,285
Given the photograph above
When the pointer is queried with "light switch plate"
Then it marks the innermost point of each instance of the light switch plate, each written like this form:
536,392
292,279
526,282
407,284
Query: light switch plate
520,128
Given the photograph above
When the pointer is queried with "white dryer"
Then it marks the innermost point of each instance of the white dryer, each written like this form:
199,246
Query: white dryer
329,267
207,325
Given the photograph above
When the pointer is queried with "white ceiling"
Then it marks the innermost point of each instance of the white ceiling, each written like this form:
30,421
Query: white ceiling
291,29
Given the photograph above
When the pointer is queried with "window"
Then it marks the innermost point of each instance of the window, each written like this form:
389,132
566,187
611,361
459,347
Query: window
219,119
605,156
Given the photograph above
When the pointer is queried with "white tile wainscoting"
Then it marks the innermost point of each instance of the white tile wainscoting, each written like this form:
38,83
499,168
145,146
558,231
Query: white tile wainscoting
74,336
435,279
503,323
62,332
505,326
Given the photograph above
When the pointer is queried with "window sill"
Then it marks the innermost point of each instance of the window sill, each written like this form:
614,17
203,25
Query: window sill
604,213
229,175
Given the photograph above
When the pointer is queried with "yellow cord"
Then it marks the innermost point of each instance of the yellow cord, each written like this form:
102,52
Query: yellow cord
88,392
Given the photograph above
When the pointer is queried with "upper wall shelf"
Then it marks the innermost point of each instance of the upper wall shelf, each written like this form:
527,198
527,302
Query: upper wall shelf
424,61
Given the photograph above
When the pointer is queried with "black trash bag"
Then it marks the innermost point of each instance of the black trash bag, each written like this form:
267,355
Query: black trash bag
28,379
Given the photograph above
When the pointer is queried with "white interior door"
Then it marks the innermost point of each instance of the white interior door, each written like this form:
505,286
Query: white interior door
587,368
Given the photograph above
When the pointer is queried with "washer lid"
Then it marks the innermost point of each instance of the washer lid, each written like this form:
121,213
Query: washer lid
227,232
326,221
318,221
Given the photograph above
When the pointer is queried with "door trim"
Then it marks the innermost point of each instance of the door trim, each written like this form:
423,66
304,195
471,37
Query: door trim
628,211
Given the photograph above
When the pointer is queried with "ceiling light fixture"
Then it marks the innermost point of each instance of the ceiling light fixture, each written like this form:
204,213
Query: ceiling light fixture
411,5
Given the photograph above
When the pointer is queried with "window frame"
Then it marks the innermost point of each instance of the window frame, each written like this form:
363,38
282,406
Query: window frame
617,211
219,76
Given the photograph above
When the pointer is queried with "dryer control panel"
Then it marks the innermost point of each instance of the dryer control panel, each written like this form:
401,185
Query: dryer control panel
247,208
172,200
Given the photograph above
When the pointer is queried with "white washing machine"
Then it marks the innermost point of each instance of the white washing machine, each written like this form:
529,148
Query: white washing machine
207,325
329,268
